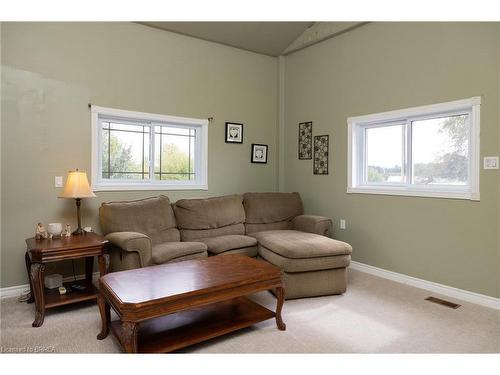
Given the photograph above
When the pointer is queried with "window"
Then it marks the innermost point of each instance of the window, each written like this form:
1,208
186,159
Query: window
429,151
143,151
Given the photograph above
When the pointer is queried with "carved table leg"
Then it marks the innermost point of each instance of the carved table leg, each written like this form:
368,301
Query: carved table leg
36,276
280,294
129,336
102,265
105,311
104,308
31,297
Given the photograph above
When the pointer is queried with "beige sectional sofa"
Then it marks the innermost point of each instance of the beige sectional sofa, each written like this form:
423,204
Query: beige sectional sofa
270,226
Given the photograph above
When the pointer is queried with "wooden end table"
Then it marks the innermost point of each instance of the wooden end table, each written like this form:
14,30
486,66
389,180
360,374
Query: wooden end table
41,252
167,307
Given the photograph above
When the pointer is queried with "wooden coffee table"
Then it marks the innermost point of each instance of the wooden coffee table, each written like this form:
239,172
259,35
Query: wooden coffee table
167,307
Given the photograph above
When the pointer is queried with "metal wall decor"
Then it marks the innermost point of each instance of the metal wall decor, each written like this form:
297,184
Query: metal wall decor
320,164
305,140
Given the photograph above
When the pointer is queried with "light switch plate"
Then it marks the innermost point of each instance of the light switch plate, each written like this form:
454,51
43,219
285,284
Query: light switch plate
58,182
490,162
342,224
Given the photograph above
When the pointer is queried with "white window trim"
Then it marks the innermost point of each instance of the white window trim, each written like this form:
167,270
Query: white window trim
98,184
470,192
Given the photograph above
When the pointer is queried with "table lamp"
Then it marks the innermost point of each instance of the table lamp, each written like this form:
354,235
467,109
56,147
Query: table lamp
77,187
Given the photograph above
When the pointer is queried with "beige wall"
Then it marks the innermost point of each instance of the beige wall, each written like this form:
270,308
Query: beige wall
51,71
386,66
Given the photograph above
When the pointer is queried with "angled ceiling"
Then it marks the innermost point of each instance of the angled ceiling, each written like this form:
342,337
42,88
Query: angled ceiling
269,38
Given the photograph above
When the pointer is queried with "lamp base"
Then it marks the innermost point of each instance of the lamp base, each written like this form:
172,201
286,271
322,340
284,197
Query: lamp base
78,231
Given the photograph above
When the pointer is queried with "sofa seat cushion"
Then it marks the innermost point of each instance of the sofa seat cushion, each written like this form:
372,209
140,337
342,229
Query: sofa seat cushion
195,234
251,251
220,244
304,264
169,251
295,244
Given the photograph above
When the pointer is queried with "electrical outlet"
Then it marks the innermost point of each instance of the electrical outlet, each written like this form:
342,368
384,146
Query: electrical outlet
342,224
58,182
490,162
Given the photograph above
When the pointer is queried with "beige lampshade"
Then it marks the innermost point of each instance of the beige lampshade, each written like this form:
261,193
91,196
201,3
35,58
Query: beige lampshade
77,186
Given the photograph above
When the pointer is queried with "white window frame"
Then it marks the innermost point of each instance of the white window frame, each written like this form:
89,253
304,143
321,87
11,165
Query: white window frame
98,114
356,150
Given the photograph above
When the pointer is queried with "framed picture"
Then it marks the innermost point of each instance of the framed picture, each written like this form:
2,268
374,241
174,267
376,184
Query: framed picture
259,153
320,164
305,140
234,132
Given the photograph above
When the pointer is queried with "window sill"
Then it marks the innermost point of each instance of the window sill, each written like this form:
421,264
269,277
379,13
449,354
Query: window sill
139,187
449,194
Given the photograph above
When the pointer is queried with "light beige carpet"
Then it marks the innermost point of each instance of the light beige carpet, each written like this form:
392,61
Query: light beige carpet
374,316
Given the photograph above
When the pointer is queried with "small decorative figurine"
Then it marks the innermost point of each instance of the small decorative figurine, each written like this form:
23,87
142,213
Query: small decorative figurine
67,231
40,232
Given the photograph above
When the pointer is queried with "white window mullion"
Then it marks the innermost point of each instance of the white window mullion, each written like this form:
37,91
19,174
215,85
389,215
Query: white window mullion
362,171
96,149
363,157
197,161
408,154
474,151
152,146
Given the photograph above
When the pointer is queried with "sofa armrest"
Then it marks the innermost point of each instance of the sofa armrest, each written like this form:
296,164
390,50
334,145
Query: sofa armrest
313,224
133,241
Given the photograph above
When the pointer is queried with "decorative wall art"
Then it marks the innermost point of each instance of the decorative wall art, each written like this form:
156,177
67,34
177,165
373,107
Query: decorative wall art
320,164
234,132
259,153
305,140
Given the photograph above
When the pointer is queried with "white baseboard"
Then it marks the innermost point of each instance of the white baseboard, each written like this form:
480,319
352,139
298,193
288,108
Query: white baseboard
15,291
460,294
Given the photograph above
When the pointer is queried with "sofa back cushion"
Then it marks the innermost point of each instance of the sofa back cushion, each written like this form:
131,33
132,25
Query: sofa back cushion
153,217
271,211
210,216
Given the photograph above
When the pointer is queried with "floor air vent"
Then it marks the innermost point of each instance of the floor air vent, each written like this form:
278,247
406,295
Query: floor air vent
440,301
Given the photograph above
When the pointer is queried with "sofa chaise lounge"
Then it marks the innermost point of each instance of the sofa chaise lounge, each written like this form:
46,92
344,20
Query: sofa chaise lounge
269,226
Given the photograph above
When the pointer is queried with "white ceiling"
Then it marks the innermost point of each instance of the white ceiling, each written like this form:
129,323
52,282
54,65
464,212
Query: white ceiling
269,38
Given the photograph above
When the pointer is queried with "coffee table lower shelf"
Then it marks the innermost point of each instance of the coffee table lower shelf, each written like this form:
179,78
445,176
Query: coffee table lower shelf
175,331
